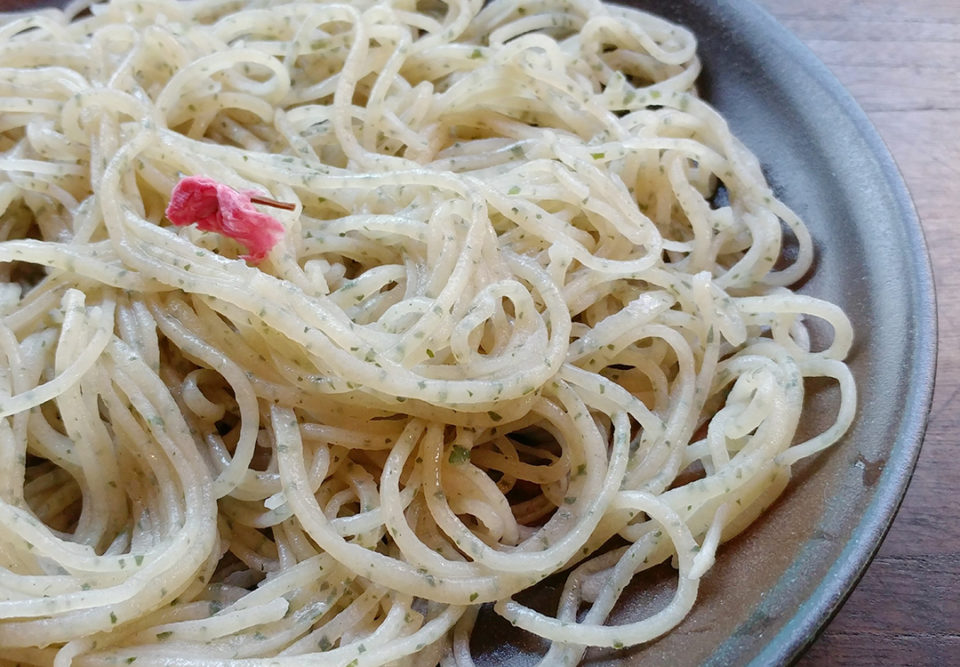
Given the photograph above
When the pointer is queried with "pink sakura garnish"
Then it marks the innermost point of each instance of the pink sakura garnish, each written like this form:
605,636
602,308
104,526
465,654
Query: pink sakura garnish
216,207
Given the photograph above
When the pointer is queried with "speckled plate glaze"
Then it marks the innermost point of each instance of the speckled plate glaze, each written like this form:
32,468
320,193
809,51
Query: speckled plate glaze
774,587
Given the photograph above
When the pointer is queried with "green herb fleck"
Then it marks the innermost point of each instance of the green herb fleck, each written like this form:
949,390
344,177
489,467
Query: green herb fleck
459,455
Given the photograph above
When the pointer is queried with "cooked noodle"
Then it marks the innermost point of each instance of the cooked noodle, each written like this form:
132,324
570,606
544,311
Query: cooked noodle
532,297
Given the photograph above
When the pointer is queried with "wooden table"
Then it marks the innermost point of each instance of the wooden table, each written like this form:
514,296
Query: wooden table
901,61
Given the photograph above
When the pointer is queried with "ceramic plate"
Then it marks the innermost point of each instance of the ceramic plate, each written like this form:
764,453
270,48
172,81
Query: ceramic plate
776,585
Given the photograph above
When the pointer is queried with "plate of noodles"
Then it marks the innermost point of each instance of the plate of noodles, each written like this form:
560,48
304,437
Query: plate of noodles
459,333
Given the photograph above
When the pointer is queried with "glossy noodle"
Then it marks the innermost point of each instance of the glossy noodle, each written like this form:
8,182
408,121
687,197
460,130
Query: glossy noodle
530,313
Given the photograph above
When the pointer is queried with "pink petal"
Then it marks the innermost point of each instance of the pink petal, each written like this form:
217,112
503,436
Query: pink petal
219,208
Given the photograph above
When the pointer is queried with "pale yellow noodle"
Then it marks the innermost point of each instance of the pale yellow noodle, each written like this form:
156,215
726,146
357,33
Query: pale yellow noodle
530,299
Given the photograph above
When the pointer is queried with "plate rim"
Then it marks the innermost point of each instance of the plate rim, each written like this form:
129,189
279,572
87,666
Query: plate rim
802,629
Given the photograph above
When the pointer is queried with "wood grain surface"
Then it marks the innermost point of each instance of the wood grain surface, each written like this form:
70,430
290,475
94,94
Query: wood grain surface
901,61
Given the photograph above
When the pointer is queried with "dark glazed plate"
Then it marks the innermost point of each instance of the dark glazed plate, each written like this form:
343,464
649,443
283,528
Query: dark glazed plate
774,587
